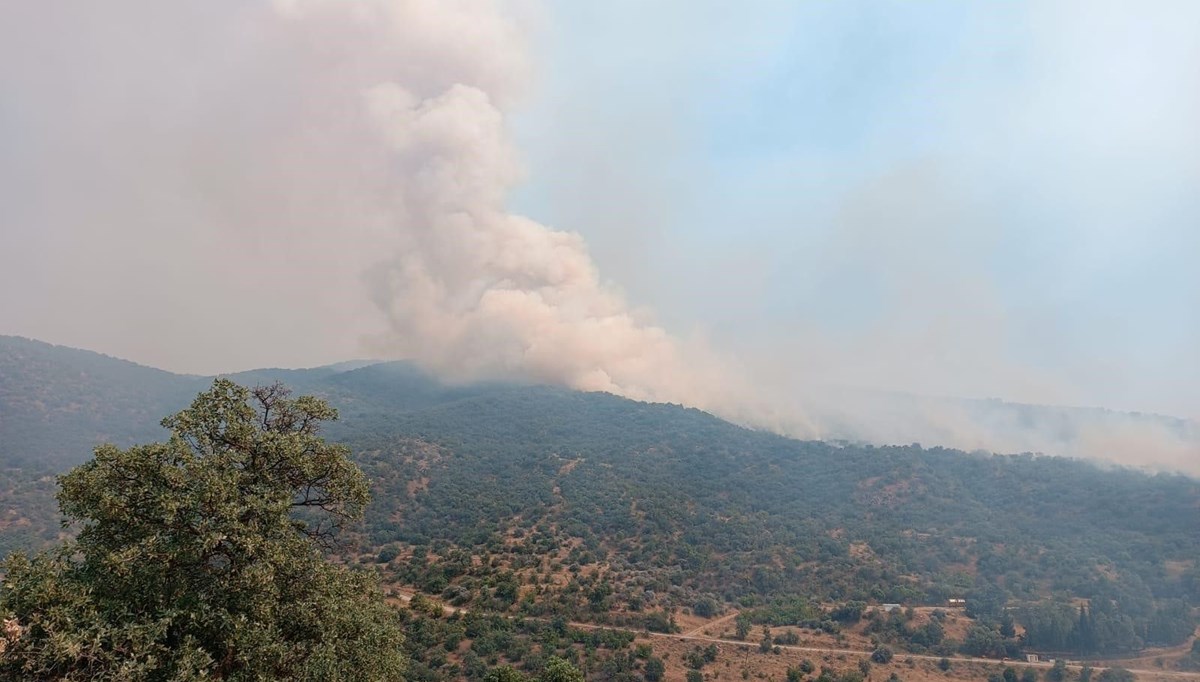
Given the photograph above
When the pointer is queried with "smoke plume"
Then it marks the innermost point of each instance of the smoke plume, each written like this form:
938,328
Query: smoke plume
208,186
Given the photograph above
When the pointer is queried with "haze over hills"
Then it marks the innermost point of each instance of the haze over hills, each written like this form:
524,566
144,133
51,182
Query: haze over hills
673,504
58,402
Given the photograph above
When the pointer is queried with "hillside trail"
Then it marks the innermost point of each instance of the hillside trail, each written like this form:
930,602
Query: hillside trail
699,630
1147,656
405,596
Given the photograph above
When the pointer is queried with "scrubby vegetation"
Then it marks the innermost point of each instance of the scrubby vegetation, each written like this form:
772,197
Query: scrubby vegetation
534,507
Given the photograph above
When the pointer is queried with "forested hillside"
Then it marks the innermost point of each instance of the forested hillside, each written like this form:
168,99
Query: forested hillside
547,502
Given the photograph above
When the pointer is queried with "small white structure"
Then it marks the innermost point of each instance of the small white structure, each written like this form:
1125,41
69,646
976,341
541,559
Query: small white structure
888,608
1031,658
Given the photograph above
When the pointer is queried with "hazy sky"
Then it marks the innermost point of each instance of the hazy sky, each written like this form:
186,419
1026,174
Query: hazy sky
971,199
986,199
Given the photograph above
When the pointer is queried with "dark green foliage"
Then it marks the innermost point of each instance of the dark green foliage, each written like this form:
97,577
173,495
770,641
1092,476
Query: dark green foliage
560,670
1115,675
685,507
200,557
983,641
706,607
695,676
505,673
849,613
654,669
742,625
882,655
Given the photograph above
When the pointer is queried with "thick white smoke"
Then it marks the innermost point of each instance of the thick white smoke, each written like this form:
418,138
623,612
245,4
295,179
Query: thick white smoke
217,185
344,165
470,289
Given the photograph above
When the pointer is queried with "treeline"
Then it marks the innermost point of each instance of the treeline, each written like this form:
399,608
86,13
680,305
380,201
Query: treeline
1103,627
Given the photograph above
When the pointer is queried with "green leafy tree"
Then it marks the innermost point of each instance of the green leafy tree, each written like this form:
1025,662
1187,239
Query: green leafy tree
560,670
1115,675
505,673
742,626
706,607
654,669
200,557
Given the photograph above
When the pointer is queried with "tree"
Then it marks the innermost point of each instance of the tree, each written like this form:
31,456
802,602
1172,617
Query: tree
1059,672
943,664
201,557
1115,675
767,641
1029,675
742,624
505,673
654,669
982,641
882,655
560,670
705,607
1008,627
695,676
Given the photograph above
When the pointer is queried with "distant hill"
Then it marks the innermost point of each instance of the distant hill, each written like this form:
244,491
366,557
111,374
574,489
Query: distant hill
613,508
56,403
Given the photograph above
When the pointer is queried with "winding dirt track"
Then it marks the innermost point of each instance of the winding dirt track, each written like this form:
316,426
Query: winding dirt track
704,626
692,636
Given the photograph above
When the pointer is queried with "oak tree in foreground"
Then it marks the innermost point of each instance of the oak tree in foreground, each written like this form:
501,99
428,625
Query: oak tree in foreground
200,558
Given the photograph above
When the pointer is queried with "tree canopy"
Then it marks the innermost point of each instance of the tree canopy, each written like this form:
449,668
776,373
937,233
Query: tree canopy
200,557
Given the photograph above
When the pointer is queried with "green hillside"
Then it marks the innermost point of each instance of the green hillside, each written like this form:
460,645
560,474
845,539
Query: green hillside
547,502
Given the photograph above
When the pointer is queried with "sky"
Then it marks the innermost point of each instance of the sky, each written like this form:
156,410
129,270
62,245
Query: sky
980,199
755,208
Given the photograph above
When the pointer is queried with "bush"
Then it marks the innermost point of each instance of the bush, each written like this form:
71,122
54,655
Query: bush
882,655
1115,675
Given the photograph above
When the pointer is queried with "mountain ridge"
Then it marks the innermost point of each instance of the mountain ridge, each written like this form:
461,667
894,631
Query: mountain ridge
615,510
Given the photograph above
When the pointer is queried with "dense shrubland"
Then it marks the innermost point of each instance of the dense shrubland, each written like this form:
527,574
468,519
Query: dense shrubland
551,505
